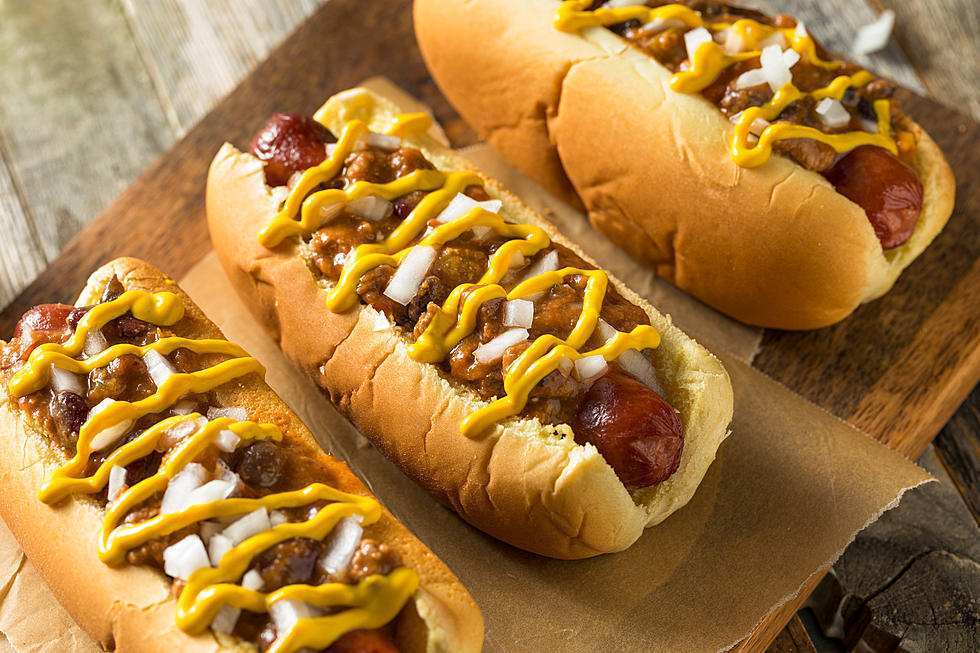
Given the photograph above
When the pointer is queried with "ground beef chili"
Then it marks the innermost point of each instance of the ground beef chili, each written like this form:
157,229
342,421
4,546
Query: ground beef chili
558,397
261,466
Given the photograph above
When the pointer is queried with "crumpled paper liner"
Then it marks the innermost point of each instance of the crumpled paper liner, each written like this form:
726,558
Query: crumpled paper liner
791,487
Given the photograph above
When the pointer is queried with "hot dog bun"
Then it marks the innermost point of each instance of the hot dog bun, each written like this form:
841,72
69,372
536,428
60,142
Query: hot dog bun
774,246
517,481
131,608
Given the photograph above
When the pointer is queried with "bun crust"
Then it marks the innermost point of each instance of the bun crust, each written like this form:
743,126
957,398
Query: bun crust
518,481
130,608
774,246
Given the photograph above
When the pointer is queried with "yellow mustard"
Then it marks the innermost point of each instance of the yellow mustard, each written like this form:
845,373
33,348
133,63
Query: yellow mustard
456,318
710,60
370,604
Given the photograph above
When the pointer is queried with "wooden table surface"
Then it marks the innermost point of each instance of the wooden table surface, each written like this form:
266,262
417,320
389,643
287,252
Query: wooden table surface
92,92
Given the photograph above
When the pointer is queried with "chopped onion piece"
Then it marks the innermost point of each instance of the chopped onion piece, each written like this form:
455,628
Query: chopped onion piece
341,544
518,313
694,39
184,407
251,524
294,179
774,67
252,580
180,487
279,194
639,366
370,207
381,322
286,612
733,43
407,278
874,37
750,78
209,529
65,381
330,211
227,440
236,413
218,546
277,518
800,30
117,483
463,204
491,351
226,618
565,365
330,148
758,126
590,366
517,260
182,559
179,431
833,113
619,4
158,366
383,141
109,436
607,330
223,472
546,264
95,343
790,57
776,38
215,490
658,25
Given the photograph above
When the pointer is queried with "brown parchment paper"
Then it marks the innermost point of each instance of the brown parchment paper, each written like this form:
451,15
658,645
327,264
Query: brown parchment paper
791,487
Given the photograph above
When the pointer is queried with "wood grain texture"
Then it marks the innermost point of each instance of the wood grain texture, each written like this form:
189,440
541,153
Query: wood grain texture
958,447
940,39
792,639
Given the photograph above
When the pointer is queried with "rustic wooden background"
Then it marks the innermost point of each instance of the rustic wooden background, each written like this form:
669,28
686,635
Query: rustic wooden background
92,92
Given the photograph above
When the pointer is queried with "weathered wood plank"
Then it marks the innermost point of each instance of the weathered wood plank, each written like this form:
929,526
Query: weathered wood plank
940,39
174,37
79,118
792,639
958,447
20,248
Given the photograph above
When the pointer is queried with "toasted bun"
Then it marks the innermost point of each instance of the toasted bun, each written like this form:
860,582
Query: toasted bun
130,608
774,246
519,481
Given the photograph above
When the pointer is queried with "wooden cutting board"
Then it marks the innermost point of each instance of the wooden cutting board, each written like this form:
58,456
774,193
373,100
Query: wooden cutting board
897,369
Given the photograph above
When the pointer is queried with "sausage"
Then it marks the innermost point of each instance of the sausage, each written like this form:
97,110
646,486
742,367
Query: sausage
633,427
887,189
289,143
43,323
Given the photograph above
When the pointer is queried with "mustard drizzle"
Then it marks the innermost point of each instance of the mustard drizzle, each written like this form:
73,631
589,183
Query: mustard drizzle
456,318
370,604
710,59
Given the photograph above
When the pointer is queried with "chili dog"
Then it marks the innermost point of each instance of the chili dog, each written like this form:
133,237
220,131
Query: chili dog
531,392
173,502
722,147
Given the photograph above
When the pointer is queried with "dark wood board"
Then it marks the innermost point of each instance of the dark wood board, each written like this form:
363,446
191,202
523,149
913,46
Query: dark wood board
898,368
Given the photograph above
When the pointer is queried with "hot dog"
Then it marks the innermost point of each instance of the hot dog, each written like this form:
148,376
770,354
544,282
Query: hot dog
498,367
724,148
173,502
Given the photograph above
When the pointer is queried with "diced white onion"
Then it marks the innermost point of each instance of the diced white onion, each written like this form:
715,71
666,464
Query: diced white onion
179,431
758,126
565,365
117,482
384,141
619,4
277,518
549,263
223,472
184,407
874,37
252,580
370,207
109,436
800,30
463,204
330,148
185,557
65,381
491,351
180,487
774,67
95,343
869,126
517,260
790,57
606,330
590,366
658,25
236,413
776,38
218,546
279,194
750,78
215,490
294,179
639,366
833,113
209,529
694,39
381,322
158,366
407,278
251,524
227,440
341,544
733,42
518,313
481,231
330,211
286,612
226,618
